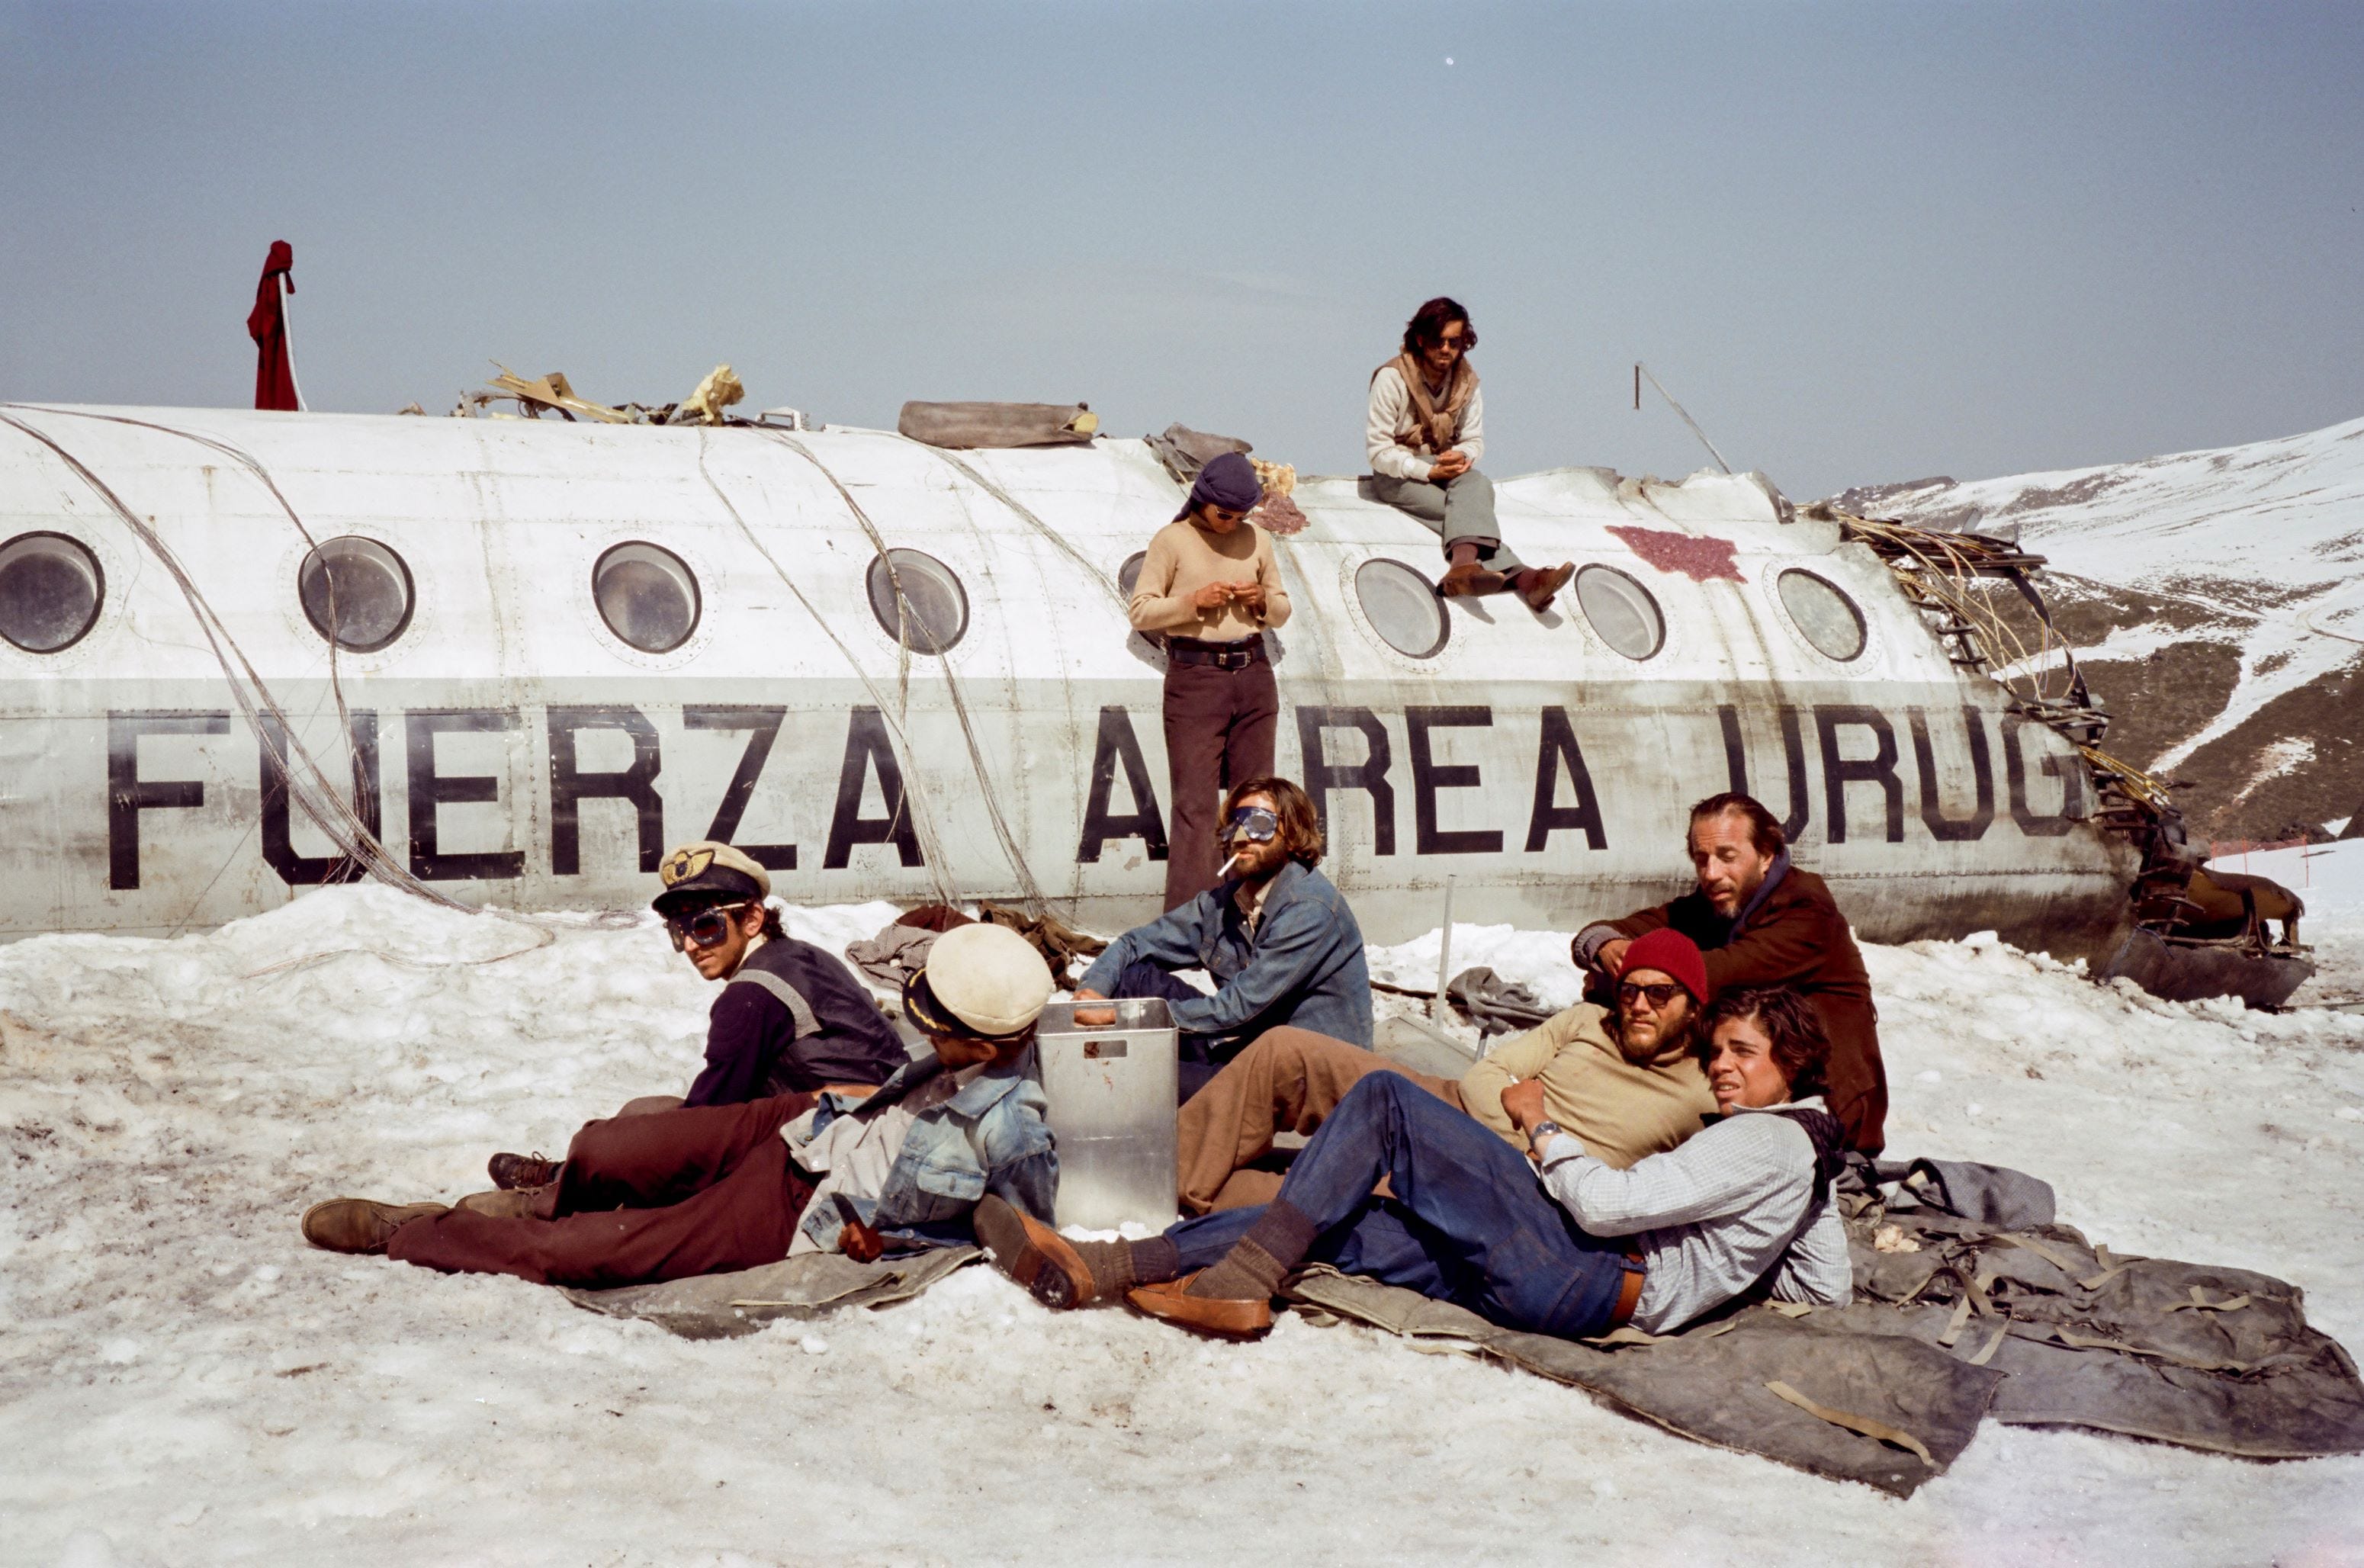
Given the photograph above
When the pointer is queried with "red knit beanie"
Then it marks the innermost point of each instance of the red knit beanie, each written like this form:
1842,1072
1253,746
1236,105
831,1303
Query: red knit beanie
1671,953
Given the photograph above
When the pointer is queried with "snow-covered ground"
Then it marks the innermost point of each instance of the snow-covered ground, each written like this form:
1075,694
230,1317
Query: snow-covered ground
181,1381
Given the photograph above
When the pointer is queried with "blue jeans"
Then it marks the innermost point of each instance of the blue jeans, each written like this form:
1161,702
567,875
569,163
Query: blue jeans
1469,1223
1198,1057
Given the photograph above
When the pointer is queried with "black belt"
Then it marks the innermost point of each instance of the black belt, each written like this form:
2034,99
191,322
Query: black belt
1221,656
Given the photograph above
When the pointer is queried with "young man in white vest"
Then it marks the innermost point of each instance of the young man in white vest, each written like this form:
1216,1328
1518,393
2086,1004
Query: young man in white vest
1425,434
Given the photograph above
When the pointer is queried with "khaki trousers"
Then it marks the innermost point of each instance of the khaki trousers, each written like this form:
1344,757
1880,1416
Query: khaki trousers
1286,1079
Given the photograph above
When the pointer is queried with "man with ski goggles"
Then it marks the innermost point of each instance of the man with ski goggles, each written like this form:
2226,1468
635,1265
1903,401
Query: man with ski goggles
1273,933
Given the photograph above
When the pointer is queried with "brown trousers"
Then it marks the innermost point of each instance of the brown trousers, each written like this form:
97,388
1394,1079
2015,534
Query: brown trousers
1286,1079
1219,725
660,1197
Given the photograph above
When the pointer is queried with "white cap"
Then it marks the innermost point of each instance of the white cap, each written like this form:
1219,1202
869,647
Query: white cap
988,976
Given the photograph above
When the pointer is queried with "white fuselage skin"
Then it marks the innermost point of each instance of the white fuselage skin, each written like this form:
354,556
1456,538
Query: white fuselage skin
524,756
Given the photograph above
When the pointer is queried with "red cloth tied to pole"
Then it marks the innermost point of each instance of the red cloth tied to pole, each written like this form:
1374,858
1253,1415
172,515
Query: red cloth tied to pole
274,365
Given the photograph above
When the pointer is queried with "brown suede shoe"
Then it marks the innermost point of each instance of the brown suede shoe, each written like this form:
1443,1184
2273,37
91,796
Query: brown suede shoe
358,1225
1543,586
510,1171
1038,1258
518,1205
1207,1314
1469,580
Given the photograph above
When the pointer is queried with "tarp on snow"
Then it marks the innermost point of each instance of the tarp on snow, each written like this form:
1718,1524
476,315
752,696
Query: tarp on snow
2034,1327
718,1306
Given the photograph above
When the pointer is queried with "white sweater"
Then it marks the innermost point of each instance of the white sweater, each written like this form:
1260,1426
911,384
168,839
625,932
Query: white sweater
1392,424
1712,1216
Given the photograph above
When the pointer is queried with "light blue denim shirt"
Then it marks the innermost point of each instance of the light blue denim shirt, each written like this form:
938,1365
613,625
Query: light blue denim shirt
1303,966
989,1137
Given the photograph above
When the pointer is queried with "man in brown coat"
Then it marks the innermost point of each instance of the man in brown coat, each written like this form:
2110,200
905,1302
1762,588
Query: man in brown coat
1762,921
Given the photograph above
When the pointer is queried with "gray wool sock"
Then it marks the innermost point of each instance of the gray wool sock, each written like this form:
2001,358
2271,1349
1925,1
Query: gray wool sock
1154,1261
1111,1265
1258,1261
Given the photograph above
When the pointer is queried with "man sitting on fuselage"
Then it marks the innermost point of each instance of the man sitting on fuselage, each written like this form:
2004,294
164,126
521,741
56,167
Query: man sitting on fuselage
1763,921
1628,1082
1567,1244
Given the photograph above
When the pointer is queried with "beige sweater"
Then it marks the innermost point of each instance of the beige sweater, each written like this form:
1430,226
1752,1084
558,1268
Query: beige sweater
1390,435
1622,1110
1183,558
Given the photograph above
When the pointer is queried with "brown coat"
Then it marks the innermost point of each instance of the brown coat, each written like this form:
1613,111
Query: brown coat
1797,938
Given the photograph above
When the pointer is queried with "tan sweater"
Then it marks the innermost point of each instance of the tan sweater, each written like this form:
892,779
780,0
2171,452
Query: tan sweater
1183,558
1621,1110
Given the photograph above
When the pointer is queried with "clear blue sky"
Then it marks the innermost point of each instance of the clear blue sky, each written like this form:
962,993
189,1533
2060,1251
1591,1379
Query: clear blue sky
1861,242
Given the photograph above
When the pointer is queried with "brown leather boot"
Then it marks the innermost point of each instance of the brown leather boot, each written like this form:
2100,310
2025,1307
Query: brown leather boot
1051,1267
1540,585
510,1171
1467,580
501,1204
1234,1319
359,1225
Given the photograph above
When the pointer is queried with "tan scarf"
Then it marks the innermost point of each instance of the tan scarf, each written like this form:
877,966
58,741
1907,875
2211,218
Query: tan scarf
1435,429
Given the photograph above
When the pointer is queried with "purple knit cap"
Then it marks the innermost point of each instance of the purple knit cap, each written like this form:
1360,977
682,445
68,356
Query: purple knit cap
1228,481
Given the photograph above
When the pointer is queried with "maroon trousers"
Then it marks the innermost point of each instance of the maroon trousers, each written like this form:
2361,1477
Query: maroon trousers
662,1196
1219,732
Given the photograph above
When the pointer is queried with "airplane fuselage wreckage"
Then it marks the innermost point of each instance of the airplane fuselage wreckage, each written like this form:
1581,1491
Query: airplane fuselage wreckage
511,661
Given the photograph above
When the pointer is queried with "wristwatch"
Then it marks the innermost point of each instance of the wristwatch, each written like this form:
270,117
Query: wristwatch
1542,1130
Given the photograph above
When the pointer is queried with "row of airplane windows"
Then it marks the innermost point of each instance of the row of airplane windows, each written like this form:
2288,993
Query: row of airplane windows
359,593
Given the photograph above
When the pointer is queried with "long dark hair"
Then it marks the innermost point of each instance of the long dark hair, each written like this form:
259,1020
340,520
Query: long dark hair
1802,1049
1427,325
1300,825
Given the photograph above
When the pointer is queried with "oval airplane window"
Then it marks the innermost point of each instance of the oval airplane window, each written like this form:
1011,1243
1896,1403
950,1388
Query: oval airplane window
355,591
939,605
1402,608
646,595
1128,577
1621,612
1825,616
51,589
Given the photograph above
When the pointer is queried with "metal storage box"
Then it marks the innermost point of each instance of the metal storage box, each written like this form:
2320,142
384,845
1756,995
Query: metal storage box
1113,1100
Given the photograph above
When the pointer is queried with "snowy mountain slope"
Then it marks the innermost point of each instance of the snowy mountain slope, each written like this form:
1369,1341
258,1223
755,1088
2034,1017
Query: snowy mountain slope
184,1381
2216,600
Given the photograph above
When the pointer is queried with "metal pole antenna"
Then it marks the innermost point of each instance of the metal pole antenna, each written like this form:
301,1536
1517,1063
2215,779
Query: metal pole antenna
1640,370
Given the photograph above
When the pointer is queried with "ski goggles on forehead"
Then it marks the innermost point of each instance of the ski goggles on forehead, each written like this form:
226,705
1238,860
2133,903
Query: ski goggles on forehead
1254,823
701,928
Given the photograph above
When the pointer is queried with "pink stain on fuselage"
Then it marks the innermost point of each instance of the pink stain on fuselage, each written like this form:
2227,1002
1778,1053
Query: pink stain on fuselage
1702,560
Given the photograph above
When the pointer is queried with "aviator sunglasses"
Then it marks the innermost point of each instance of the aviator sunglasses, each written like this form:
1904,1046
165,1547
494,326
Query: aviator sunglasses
1659,995
702,929
1252,824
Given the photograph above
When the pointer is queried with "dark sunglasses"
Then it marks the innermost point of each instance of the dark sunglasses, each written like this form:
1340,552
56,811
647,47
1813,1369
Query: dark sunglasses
705,928
1659,995
1252,824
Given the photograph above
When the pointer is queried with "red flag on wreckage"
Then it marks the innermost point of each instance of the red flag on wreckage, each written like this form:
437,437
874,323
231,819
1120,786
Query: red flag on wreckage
274,364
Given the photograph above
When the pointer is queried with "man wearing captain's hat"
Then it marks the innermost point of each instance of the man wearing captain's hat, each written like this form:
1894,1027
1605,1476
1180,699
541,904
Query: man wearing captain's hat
791,1016
713,1188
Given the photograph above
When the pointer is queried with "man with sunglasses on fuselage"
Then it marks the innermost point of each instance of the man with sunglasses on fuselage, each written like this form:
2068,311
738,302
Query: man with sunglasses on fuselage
1208,586
1275,932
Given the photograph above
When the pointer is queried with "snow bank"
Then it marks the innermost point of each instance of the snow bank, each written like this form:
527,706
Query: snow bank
181,1381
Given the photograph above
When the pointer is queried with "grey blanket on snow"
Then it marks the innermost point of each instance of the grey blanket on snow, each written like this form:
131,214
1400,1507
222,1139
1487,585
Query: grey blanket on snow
2034,1327
717,1306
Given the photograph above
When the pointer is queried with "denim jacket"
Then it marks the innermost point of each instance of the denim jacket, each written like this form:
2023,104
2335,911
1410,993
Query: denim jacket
989,1137
1303,966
